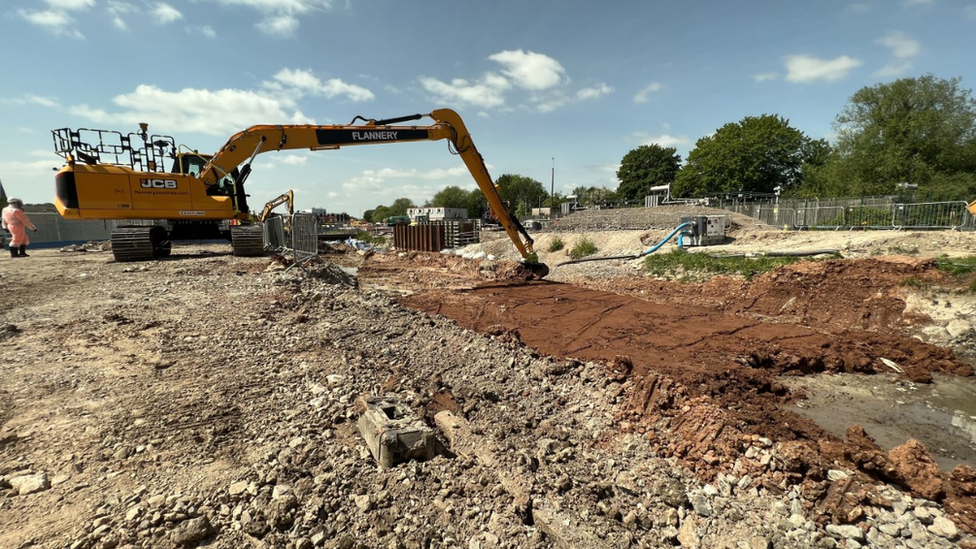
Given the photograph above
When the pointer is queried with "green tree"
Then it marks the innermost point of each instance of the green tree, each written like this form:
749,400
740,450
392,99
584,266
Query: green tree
756,154
368,215
380,213
450,197
520,192
400,206
476,203
913,130
645,167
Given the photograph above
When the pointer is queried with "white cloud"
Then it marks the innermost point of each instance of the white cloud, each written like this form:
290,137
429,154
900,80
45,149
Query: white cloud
806,68
766,76
306,82
70,4
487,93
901,45
30,99
530,70
284,6
664,140
220,112
281,15
644,95
919,2
970,11
164,14
56,22
548,102
420,183
281,25
118,9
543,77
903,49
594,92
293,160
36,170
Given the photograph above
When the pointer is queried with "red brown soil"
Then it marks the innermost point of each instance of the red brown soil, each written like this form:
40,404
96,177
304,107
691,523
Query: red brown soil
702,360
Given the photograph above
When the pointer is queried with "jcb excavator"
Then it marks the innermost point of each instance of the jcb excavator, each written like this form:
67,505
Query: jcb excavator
286,198
113,176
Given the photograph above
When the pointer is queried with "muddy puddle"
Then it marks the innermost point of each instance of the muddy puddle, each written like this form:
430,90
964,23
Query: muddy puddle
941,415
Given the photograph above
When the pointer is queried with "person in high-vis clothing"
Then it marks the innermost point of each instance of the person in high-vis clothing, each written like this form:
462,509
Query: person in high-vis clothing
17,222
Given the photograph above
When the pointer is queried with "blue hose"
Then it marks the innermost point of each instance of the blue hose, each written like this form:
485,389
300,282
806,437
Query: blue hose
678,229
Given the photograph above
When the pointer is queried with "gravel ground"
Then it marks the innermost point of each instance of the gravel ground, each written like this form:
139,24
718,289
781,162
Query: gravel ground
210,400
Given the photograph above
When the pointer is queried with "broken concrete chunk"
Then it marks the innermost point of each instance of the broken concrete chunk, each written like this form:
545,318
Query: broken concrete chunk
29,484
393,433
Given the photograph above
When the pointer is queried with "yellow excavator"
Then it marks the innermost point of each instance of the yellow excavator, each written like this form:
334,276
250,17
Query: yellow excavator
286,198
109,175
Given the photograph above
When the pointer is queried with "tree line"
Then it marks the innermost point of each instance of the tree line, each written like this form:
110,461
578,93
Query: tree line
914,135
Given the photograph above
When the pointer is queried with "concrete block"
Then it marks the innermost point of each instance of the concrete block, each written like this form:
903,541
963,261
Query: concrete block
393,433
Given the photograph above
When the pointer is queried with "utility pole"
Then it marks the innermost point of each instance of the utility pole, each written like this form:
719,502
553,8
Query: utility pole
552,189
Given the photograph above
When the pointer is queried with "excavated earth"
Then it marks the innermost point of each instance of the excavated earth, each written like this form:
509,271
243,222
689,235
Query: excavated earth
209,400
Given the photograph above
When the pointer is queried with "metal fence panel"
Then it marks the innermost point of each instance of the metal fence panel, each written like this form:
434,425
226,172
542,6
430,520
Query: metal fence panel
932,215
274,234
824,217
304,235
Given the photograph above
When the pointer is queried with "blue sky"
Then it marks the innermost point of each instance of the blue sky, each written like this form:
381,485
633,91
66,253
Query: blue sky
581,82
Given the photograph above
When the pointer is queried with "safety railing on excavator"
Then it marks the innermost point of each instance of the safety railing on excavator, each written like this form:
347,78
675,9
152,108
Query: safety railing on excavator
111,147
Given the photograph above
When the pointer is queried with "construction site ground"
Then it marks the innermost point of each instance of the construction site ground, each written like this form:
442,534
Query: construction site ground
211,400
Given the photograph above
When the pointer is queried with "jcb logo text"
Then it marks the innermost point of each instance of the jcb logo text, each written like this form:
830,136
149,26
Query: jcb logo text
157,183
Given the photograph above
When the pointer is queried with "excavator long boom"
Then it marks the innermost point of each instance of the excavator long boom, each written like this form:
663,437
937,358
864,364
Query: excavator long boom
447,124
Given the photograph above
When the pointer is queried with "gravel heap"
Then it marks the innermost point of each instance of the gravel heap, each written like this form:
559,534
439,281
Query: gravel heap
246,437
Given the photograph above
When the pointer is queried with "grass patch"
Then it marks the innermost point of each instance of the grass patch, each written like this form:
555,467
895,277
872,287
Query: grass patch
916,283
679,261
900,250
582,249
956,266
556,244
377,240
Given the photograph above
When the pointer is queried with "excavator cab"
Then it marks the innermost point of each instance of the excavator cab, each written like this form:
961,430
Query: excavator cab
193,163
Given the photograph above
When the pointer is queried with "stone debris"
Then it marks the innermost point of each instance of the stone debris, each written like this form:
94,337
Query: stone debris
29,484
251,436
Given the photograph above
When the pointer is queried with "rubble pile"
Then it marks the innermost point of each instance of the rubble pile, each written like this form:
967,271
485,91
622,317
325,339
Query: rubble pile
215,405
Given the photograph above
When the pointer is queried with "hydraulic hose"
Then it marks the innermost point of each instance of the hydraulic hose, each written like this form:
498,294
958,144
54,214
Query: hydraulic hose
676,230
679,230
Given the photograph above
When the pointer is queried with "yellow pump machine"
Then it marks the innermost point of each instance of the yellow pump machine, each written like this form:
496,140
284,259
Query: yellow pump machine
109,175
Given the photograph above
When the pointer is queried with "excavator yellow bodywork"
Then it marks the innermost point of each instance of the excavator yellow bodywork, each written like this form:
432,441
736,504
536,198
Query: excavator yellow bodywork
113,176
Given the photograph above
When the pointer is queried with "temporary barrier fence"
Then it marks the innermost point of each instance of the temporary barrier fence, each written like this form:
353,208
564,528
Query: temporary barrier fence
304,236
923,216
274,234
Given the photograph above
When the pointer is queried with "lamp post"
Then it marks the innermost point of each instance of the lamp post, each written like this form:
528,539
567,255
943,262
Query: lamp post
552,188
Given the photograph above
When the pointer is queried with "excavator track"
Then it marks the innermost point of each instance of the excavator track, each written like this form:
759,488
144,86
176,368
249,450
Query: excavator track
247,240
140,243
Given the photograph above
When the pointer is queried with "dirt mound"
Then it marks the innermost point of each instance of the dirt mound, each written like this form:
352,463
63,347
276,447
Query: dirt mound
705,378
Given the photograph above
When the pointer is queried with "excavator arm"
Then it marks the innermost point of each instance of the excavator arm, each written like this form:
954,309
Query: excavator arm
447,124
288,197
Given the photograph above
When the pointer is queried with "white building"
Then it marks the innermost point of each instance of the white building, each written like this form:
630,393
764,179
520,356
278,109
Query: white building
437,214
